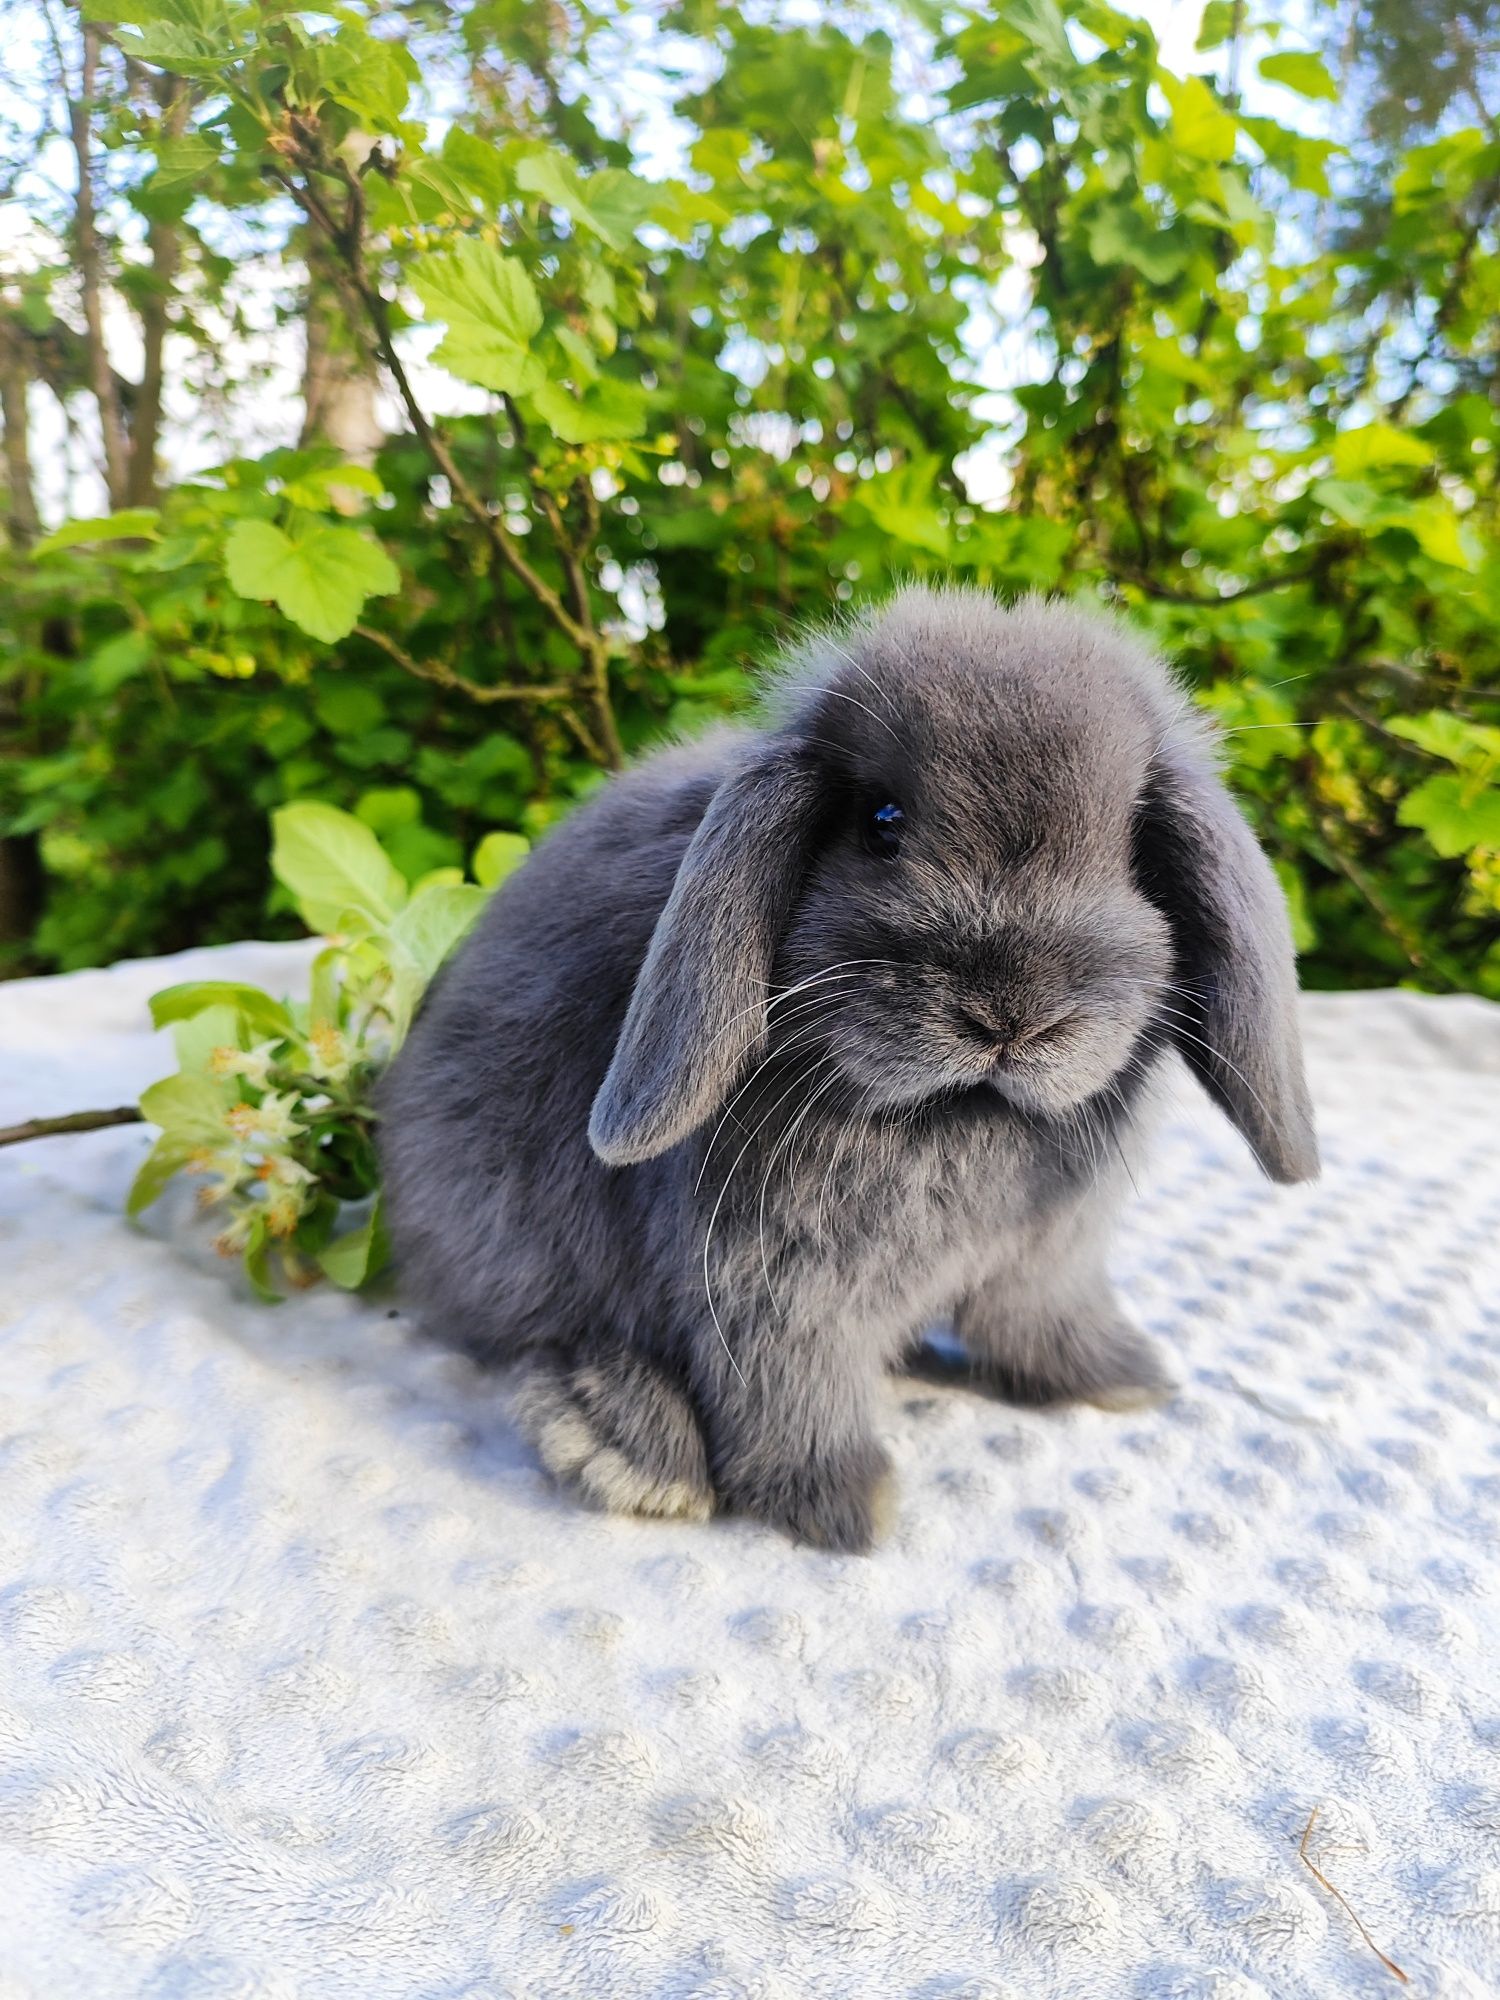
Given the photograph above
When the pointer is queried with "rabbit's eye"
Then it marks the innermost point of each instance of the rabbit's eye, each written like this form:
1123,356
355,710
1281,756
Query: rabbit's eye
883,826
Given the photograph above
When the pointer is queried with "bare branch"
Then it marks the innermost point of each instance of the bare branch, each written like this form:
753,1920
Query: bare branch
1166,593
75,1121
442,675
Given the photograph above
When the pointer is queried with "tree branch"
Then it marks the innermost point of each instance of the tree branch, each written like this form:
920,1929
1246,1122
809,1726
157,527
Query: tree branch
1166,593
443,676
74,1121
348,244
1451,298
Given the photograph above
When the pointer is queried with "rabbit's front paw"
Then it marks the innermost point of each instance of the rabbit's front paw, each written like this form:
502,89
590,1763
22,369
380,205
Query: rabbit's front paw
840,1501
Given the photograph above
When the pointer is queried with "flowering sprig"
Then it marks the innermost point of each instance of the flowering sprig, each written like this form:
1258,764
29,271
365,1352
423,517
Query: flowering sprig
272,1106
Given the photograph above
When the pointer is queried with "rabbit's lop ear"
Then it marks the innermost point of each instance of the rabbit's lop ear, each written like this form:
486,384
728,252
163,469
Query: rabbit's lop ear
1198,861
699,1007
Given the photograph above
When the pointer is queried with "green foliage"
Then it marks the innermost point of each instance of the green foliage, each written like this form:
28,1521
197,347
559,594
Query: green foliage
702,408
271,1106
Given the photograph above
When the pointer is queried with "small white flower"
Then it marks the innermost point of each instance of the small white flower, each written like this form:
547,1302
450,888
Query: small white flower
253,1064
271,1119
233,1237
225,1171
283,1212
327,1054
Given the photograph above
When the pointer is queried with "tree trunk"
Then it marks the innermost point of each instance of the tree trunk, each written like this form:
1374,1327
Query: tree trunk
163,244
102,378
20,873
20,495
339,386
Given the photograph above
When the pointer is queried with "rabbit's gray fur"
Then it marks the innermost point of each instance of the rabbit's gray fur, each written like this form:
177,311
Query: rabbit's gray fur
707,1120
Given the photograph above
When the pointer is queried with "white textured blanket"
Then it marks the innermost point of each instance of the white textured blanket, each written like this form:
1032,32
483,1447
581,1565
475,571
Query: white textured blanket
311,1686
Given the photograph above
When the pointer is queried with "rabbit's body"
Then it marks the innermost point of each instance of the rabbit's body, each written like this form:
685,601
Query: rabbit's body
833,1100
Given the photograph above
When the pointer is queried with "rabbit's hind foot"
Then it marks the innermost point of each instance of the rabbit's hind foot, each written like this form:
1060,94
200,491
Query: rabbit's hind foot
620,1429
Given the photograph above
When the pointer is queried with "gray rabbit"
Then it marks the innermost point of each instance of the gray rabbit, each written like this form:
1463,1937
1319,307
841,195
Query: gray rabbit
798,1039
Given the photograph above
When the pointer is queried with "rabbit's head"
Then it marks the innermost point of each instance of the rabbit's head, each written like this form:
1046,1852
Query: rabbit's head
975,847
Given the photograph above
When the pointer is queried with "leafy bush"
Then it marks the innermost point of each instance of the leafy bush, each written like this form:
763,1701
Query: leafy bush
271,1105
1256,405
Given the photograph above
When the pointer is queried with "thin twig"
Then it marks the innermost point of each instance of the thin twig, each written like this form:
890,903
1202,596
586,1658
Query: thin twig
75,1121
1167,594
1343,1901
442,675
1332,855
377,312
367,300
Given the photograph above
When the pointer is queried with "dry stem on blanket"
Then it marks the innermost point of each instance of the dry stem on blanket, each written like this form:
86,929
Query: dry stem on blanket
1341,1899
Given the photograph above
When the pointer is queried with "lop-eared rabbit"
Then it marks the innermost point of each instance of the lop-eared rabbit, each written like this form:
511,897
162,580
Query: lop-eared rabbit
798,1039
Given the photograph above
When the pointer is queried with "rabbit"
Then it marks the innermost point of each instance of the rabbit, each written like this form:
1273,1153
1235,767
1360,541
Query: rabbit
801,1038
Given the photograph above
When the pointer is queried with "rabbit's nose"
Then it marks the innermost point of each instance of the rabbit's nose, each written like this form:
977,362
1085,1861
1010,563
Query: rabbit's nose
1006,1031
993,1025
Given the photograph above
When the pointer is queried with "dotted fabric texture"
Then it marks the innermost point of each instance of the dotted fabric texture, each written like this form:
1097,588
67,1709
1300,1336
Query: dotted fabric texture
311,1685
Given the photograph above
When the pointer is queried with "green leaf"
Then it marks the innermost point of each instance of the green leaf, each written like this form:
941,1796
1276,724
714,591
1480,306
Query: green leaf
1201,127
421,937
1348,501
264,1016
188,1108
909,504
1454,814
1452,737
322,486
385,807
481,167
1372,446
606,411
118,660
1304,931
1300,71
318,574
197,1036
1120,234
334,867
183,161
166,1159
1437,529
1042,24
258,1262
611,204
434,921
348,709
1219,18
324,988
132,524
492,313
352,1259
496,856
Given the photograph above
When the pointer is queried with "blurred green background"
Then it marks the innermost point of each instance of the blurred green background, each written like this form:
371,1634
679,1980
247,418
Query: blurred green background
419,408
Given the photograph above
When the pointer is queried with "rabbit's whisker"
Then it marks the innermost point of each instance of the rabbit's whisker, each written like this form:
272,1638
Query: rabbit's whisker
865,675
879,720
784,1143
708,1234
798,1044
787,994
802,985
1218,1056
